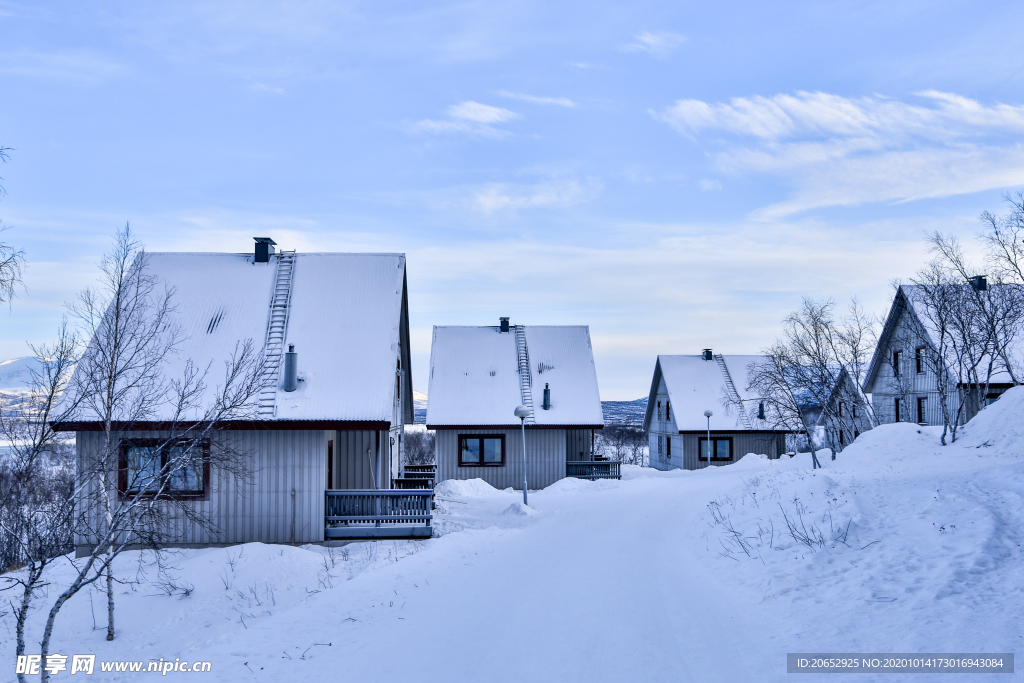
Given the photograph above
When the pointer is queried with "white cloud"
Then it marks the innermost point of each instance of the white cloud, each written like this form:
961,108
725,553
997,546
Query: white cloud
845,151
708,185
480,113
505,196
534,99
263,87
79,66
659,45
469,117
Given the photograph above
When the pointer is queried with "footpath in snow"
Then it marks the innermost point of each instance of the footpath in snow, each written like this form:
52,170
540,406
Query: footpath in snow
899,545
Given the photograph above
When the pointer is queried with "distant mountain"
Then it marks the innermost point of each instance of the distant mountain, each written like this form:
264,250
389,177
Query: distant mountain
16,374
419,405
625,412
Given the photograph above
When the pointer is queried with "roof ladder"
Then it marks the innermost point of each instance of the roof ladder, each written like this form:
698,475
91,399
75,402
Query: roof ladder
525,381
277,327
733,394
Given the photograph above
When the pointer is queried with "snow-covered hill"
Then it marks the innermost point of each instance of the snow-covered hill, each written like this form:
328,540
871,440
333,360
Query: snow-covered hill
16,374
899,545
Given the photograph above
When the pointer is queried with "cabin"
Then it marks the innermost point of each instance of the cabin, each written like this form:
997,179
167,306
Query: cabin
845,416
322,441
904,374
478,378
682,389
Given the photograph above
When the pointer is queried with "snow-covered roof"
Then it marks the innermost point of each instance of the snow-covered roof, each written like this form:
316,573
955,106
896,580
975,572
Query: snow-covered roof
474,376
345,319
695,385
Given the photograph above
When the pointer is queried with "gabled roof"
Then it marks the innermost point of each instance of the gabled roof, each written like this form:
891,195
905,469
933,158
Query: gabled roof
474,377
346,317
908,300
695,385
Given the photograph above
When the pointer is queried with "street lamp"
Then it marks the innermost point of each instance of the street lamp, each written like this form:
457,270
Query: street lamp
708,414
522,412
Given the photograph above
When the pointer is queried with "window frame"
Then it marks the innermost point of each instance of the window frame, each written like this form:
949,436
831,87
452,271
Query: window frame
922,410
897,406
714,458
481,437
897,361
919,360
170,494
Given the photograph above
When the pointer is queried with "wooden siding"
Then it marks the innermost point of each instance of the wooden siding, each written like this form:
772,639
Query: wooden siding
743,442
579,444
910,385
282,499
545,458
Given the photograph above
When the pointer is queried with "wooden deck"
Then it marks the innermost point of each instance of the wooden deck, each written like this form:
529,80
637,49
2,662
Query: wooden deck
378,514
598,469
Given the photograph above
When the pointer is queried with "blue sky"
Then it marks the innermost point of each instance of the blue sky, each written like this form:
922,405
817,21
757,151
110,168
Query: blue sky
677,175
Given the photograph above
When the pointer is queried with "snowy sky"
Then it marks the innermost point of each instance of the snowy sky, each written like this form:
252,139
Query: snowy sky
674,174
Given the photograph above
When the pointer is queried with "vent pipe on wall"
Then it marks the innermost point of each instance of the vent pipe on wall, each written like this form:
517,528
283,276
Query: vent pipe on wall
504,324
291,369
546,405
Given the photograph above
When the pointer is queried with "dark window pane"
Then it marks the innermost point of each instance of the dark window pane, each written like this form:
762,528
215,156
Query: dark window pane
492,450
143,468
471,450
722,449
185,466
704,449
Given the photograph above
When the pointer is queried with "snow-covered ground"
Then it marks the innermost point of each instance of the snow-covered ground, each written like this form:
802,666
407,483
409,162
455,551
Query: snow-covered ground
900,545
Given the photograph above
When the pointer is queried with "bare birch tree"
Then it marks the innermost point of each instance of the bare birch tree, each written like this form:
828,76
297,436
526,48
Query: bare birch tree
129,492
36,478
12,260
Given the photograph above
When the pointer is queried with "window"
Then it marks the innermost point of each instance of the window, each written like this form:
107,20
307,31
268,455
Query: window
486,450
853,411
897,412
841,404
919,359
722,448
668,410
922,410
659,411
179,469
896,357
668,447
842,440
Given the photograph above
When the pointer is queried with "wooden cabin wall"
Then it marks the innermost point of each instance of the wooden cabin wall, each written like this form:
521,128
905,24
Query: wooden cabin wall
771,444
545,458
281,501
579,445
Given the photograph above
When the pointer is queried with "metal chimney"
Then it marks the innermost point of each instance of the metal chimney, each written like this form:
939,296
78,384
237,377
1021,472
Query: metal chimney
546,405
707,355
291,369
264,248
504,324
979,282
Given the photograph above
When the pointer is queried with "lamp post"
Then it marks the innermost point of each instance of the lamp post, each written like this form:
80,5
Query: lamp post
522,412
708,414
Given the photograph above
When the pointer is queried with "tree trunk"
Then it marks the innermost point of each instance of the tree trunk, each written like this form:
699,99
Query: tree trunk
110,596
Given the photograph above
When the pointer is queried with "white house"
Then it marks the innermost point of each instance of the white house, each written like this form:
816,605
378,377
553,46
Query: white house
479,375
345,316
682,389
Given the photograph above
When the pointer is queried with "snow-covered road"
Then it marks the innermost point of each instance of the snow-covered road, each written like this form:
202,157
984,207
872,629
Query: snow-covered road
909,547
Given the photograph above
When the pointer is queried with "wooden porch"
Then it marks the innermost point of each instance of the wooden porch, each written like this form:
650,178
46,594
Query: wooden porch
596,469
396,513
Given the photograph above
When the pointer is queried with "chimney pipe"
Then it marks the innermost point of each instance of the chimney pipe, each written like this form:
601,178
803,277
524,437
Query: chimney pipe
264,248
291,370
504,324
708,355
547,398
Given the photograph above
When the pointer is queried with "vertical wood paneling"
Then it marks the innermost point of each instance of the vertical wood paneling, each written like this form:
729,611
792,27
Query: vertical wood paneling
278,500
545,458
579,444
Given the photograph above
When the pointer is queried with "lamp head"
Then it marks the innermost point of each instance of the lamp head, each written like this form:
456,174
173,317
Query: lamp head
708,413
522,412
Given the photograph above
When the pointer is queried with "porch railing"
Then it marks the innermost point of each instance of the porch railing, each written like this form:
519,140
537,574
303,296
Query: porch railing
406,483
349,511
419,472
606,469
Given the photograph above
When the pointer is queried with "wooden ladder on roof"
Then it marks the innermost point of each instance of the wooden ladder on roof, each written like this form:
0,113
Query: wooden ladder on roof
525,380
733,394
277,328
